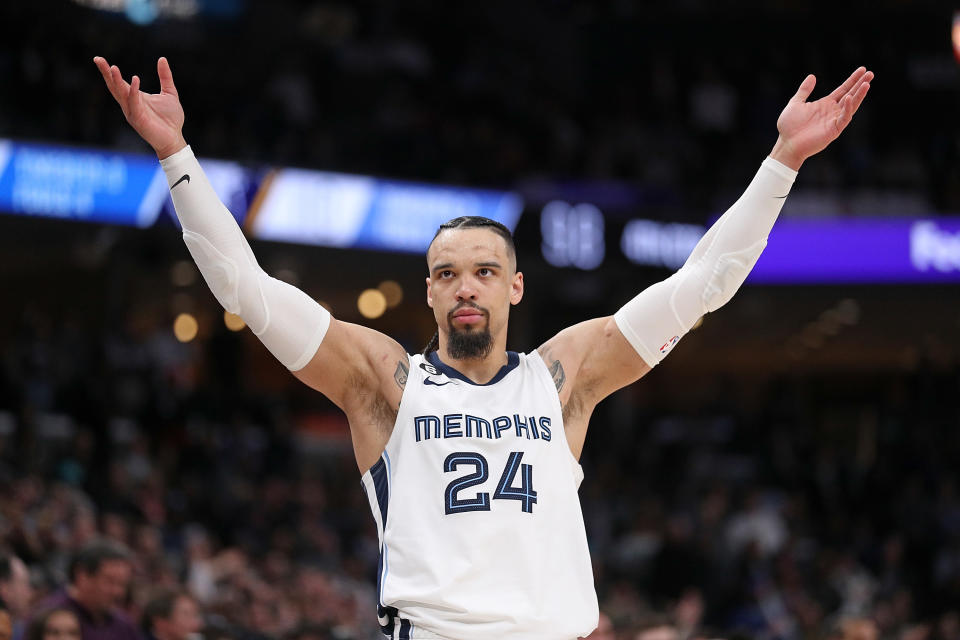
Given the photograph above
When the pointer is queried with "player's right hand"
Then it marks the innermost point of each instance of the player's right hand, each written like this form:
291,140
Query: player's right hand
157,117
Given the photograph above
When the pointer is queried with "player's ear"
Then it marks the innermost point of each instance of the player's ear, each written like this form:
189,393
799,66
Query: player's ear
516,288
429,294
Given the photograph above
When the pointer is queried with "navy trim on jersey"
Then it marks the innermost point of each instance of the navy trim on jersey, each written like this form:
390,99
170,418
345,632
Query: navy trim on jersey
379,474
404,629
513,360
390,614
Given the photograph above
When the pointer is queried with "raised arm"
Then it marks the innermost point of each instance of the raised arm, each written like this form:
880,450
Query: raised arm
359,369
593,359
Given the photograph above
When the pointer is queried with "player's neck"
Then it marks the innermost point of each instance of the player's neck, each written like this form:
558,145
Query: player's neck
479,370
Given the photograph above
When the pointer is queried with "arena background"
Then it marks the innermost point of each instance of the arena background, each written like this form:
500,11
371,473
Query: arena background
791,466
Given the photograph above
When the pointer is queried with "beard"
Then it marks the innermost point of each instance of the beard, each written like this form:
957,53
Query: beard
469,342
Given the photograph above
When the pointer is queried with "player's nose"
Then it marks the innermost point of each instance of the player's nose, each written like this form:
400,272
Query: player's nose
466,290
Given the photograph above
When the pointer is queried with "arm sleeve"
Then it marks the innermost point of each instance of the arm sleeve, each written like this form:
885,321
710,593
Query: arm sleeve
655,320
288,322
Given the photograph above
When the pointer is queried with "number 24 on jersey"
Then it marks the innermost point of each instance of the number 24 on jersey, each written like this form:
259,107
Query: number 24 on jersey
506,490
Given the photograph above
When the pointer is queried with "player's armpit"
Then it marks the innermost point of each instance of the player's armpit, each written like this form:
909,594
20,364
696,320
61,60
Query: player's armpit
591,360
364,373
353,358
588,362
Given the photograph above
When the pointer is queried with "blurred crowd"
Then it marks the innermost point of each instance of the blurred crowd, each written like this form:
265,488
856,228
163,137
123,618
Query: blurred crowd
832,505
680,99
132,463
110,441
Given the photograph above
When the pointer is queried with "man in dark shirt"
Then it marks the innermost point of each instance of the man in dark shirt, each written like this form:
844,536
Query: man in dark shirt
15,591
99,576
172,614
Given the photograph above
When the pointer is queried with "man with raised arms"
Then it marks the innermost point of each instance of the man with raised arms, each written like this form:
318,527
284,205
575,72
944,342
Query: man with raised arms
468,452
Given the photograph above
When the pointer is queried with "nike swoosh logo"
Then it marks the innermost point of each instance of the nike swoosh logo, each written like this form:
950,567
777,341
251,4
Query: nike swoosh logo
781,197
439,384
185,176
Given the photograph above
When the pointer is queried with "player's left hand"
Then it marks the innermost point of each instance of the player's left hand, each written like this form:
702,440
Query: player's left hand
807,128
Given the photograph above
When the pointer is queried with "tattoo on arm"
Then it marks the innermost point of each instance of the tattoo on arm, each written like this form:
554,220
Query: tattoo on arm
556,372
400,375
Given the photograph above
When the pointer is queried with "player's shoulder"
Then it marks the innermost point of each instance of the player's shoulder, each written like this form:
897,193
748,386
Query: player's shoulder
531,358
573,342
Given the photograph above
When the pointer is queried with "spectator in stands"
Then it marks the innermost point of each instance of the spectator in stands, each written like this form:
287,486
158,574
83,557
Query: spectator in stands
604,630
6,624
310,632
219,633
99,577
15,590
855,629
657,627
59,623
171,614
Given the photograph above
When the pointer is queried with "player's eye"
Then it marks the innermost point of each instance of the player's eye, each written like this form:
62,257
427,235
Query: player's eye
485,272
446,273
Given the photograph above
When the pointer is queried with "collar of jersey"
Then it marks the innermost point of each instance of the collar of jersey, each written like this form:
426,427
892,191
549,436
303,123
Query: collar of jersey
513,359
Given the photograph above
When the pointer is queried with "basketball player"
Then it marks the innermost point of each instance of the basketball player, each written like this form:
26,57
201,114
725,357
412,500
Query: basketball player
469,452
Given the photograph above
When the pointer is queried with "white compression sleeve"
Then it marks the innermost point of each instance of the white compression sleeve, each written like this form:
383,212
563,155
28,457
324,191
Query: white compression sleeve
288,322
655,320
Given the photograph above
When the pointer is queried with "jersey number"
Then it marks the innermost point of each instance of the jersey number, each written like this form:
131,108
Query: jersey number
505,489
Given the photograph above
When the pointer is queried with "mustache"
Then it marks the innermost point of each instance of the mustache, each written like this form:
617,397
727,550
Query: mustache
468,305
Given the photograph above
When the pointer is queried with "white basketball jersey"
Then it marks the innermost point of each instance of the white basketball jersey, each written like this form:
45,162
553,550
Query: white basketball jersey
475,499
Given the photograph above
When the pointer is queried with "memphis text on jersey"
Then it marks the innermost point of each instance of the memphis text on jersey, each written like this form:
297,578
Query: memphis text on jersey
463,425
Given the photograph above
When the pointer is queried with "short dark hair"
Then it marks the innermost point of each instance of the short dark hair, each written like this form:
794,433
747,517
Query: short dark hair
6,567
479,222
6,573
160,606
92,556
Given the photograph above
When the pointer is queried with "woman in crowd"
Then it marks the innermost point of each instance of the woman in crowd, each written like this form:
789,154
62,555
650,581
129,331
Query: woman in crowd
58,623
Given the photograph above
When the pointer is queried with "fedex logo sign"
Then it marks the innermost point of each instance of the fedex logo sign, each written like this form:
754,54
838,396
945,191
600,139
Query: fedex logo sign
934,248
